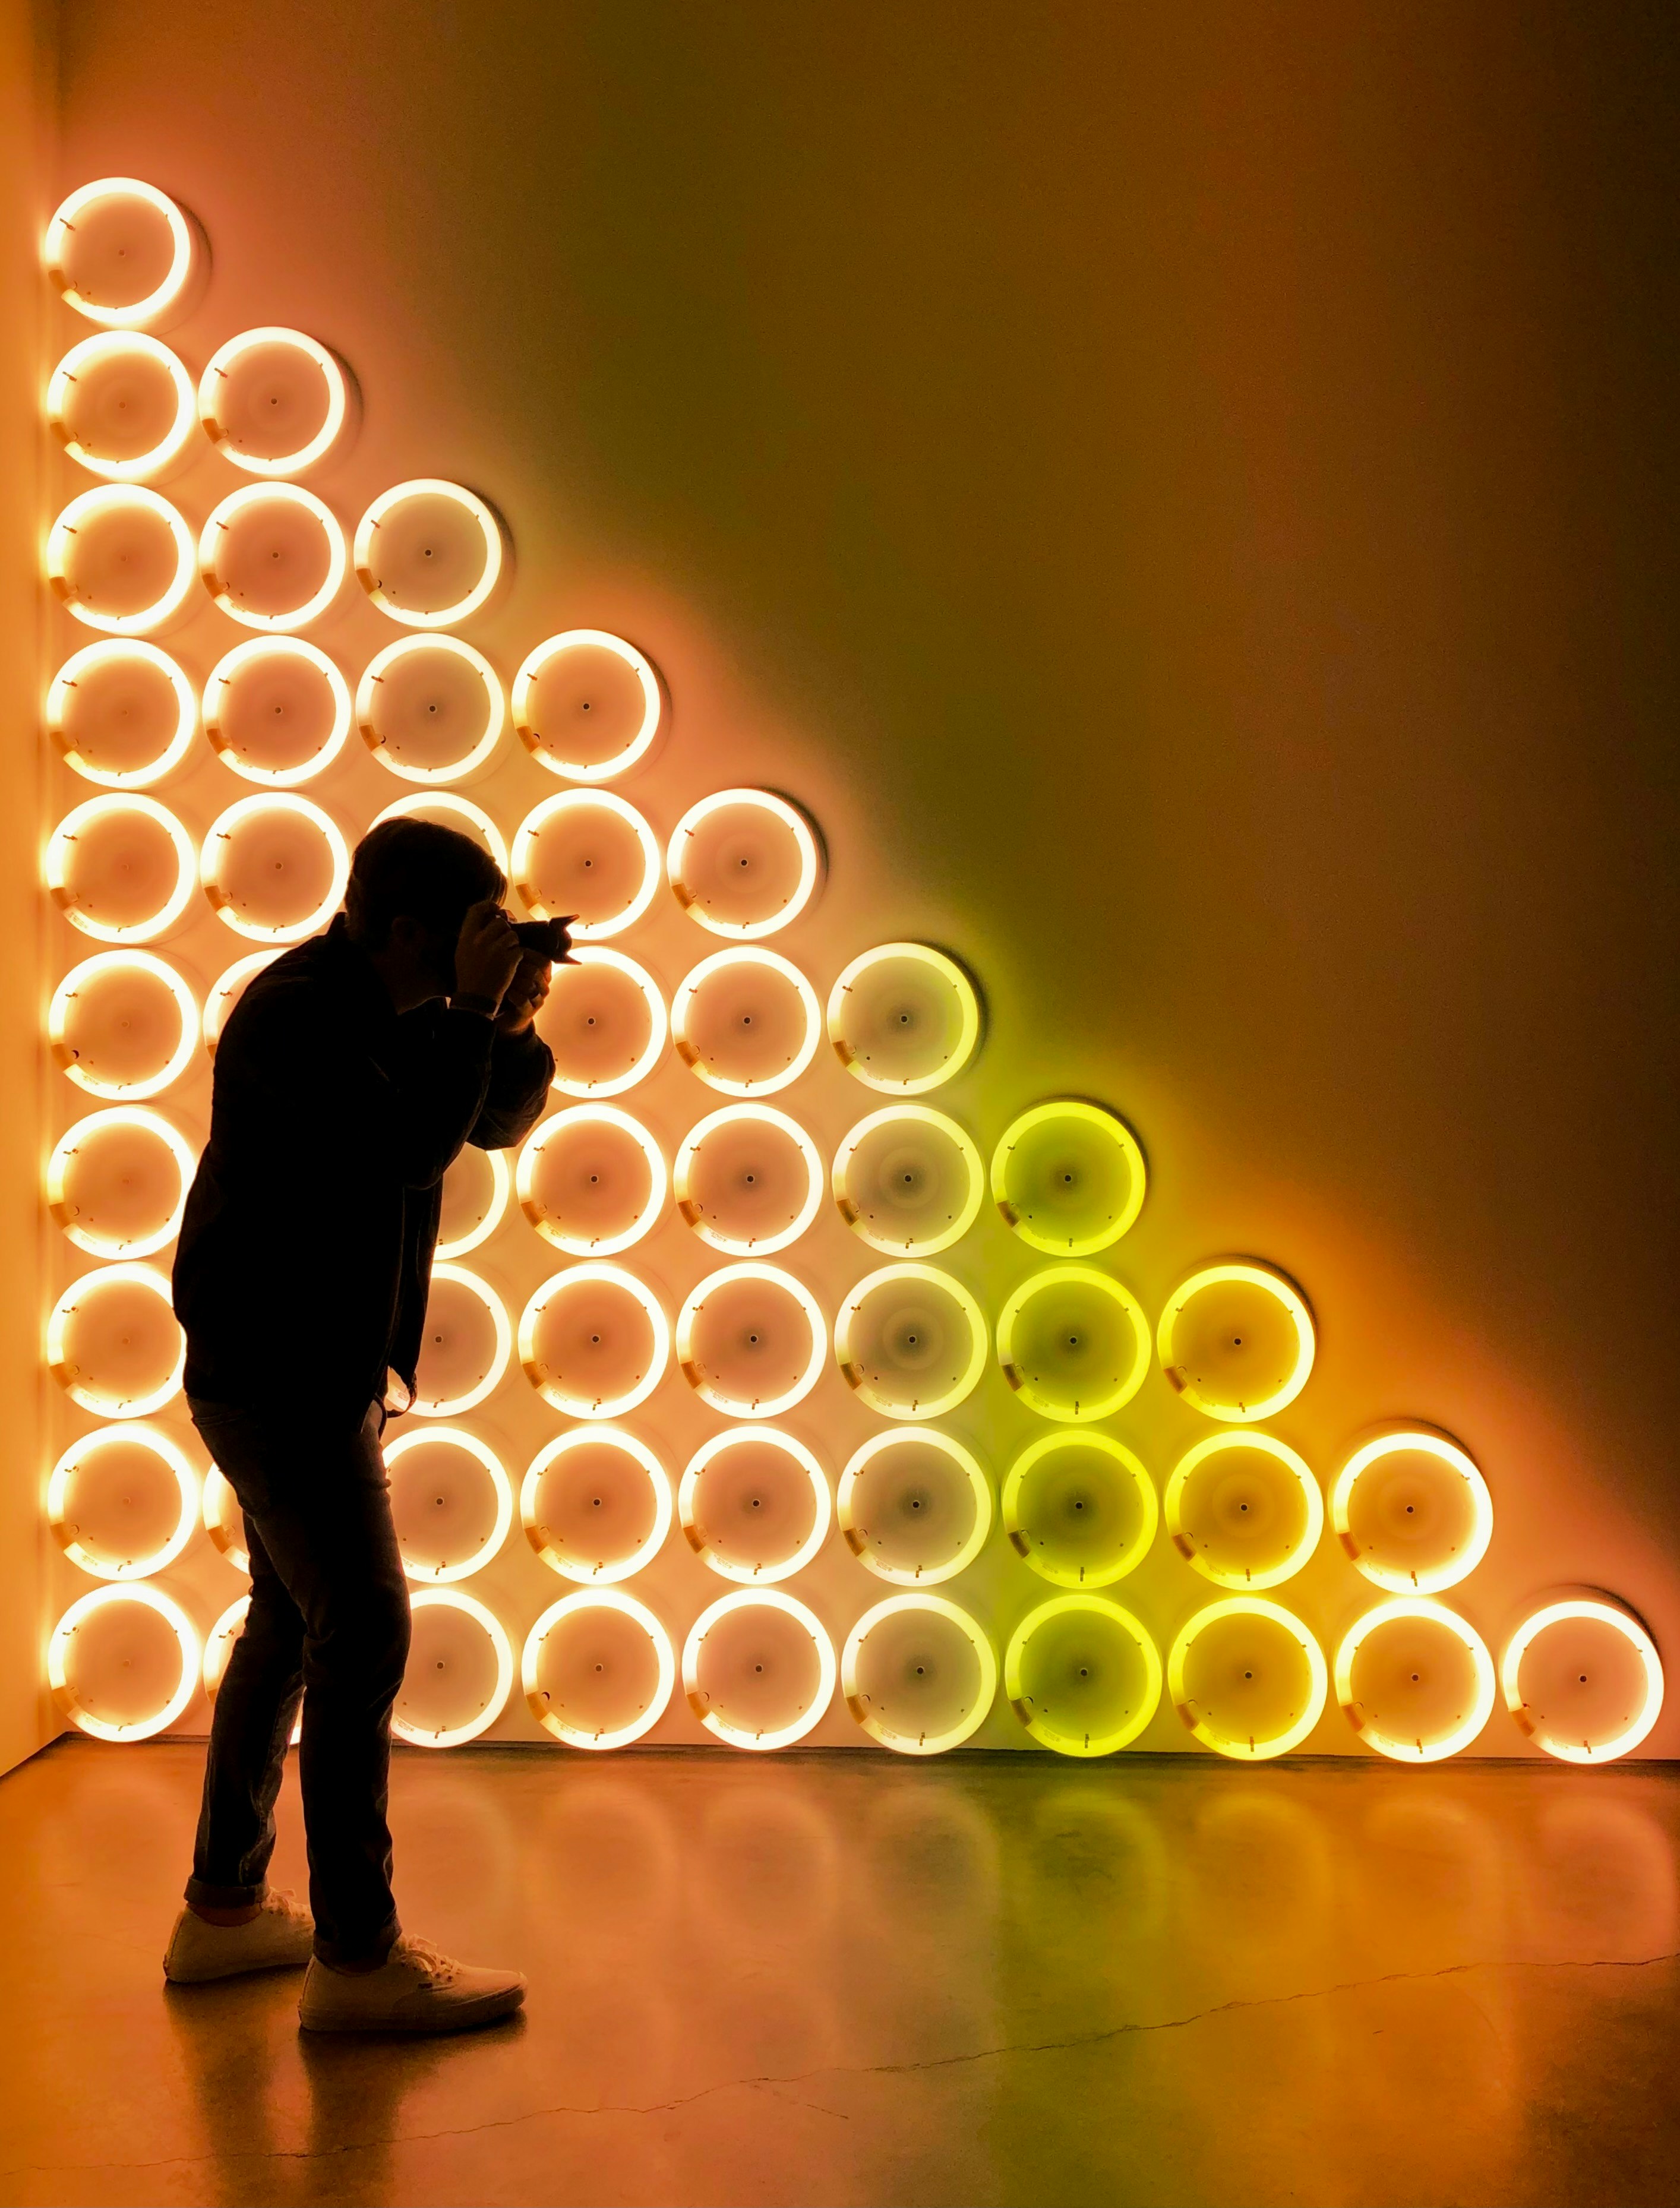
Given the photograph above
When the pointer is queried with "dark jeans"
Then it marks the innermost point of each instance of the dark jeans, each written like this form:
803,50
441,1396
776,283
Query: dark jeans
329,1622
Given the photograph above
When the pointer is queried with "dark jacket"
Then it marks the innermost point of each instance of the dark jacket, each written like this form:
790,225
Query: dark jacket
306,1249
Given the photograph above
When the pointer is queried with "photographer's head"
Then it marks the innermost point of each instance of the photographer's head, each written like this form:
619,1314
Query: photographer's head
412,884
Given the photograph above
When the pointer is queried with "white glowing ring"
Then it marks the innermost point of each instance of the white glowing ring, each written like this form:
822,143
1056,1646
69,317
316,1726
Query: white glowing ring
735,1244
138,962
59,229
222,1539
275,647
536,1532
1481,1505
338,401
258,493
438,1598
765,1408
928,1246
471,820
1105,1285
58,1650
699,1702
501,1183
1297,1469
966,1461
948,970
810,862
1051,1736
374,674
822,1515
88,353
220,834
857,1703
57,1172
451,1407
1433,1613
122,1274
746,956
598,1598
1601,1613
222,992
599,801
429,487
173,1457
119,802
548,1387
86,506
1318,1680
93,655
658,1028
1282,1292
636,749
604,1115
966,1381
480,1454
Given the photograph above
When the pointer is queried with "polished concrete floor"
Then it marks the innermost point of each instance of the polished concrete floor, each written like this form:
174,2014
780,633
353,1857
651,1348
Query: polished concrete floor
838,1977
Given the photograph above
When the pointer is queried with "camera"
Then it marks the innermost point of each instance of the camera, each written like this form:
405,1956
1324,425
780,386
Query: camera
552,938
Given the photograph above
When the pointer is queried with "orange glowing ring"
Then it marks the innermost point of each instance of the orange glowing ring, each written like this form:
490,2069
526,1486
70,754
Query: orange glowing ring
374,674
502,1185
471,819
88,506
626,1607
1299,1473
605,1245
708,1392
85,662
138,961
221,993
482,1454
429,487
122,1274
319,445
107,345
699,1702
58,1173
59,1501
220,835
155,924
791,818
541,1539
845,1508
639,745
540,1378
221,677
735,1246
437,1598
1481,1503
58,1649
156,302
451,1407
257,494
822,1515
1318,1678
658,1025
222,1539
1602,1613
1432,1613
1283,1292
966,1382
746,956
876,1727
600,800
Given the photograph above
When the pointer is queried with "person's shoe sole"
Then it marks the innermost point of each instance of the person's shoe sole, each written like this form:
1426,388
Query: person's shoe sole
490,2009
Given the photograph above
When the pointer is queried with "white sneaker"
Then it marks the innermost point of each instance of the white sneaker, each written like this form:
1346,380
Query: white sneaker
280,1937
415,1989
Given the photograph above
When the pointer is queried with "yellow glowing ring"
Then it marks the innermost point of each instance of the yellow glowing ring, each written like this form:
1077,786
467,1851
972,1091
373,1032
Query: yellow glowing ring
966,1461
1249,1605
437,1598
600,800
85,662
1131,1470
1434,1613
480,1454
699,1702
928,1246
858,1703
1047,1735
1283,1292
501,1183
257,494
538,1374
224,1540
425,1407
220,834
57,1171
682,1180
223,674
338,401
1070,1107
822,1515
429,487
375,674
86,506
765,1408
138,961
61,226
746,956
58,1650
658,1030
541,1539
155,924
173,1457
1481,1503
88,353
222,992
597,1598
810,862
639,745
1132,1380
471,820
1603,1613
949,970
1300,1471
122,1274
936,1406
605,1245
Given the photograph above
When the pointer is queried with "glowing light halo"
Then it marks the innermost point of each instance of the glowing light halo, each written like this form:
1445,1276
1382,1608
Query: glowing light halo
536,1532
88,506
221,678
602,954
147,1122
624,1605
681,1179
220,832
1070,1605
141,962
1448,1453
92,809
482,1455
1301,1471
1252,1605
700,1703
450,1598
501,1182
1105,1284
218,997
222,1539
490,527
1115,1130
948,970
616,1276
1432,1613
790,816
373,674
170,1454
89,352
822,1516
1049,1445
570,801
318,447
531,1156
451,1407
1603,1613
921,1115
125,1273
58,1649
773,1276
965,1460
1249,1275
745,955
473,818
935,1406
221,518
63,225
598,639
965,1728
100,654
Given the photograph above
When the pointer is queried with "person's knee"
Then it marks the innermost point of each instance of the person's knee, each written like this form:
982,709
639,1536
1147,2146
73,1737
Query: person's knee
362,1642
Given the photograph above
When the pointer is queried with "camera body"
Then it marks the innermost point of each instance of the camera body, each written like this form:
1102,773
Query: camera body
551,938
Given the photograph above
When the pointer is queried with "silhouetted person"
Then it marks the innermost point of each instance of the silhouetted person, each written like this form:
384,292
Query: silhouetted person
349,1076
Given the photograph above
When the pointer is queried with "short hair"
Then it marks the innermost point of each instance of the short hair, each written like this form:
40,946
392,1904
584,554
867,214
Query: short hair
420,868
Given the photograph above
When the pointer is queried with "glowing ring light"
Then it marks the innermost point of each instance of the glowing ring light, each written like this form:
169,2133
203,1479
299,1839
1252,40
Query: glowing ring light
1038,1722
451,1407
1427,1581
1102,1284
259,493
222,993
541,1539
786,816
1597,1613
944,970
822,1512
1318,1678
933,1406
220,835
114,806
437,1598
938,1123
393,654
1306,1485
769,1406
57,1172
1290,1300
122,1274
855,1537
719,961
858,1702
482,1454
626,1607
540,1378
252,652
658,1028
109,961
640,744
1089,1118
501,1183
318,447
90,353
576,800
89,506
747,1245
1432,1613
455,813
603,1245
374,518
109,651
1128,1468
174,1460
58,1650
699,1702
222,1538
170,287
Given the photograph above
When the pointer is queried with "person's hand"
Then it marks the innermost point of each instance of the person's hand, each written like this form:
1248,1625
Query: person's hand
487,953
527,993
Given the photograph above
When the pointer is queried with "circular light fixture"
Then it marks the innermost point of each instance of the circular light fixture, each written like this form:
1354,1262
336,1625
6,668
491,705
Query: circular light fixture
453,1603
612,1177
428,553
83,844
755,1526
918,1674
256,695
561,1538
109,1025
118,220
238,378
298,580
908,1181
477,1554
78,1211
257,818
137,684
130,546
455,1374
121,405
913,1506
1073,1343
616,1345
604,1614
1237,1341
1068,1178
450,810
61,1653
457,1238
1583,1679
910,1342
1244,1510
1437,1680
738,1315
748,1180
415,693
132,1395
903,1017
1080,1509
1082,1675
744,863
1247,1679
755,1608
225,993
745,1022
65,1511
604,1021
1413,1512
601,867
587,705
